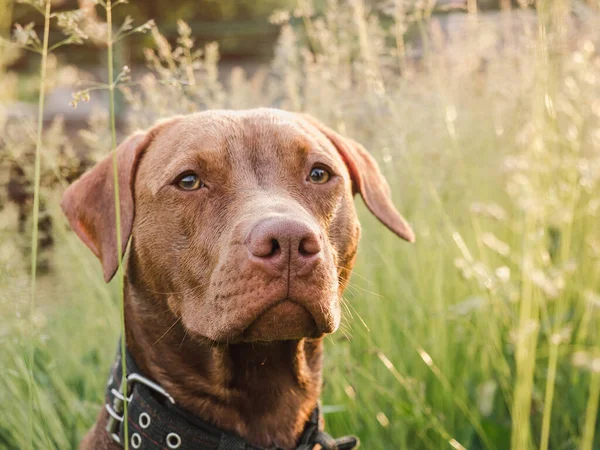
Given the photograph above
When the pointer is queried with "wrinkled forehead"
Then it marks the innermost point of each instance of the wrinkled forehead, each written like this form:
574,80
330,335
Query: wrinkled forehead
241,142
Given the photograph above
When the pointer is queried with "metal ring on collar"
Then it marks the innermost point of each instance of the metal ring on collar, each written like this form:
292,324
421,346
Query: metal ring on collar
136,440
144,420
173,440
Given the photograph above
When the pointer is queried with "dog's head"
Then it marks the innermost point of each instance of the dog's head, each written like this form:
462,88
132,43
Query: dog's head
244,221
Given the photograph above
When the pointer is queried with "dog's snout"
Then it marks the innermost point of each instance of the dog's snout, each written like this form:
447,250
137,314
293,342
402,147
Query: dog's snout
277,243
309,245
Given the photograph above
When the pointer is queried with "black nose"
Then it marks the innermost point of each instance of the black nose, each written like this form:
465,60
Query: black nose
278,244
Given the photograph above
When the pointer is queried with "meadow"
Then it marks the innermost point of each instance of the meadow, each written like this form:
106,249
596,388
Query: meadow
484,334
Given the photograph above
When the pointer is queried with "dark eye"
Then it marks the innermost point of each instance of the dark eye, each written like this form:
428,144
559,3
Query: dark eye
189,182
319,175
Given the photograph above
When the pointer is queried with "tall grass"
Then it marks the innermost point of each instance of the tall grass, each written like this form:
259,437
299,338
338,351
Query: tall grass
482,335
36,211
27,39
108,5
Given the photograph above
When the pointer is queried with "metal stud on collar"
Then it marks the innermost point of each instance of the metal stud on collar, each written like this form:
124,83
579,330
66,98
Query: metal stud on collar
136,440
115,410
173,440
144,420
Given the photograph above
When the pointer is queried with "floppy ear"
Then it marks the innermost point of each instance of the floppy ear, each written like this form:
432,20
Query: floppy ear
89,203
367,180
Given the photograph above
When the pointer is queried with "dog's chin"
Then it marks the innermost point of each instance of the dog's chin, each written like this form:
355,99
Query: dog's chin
285,320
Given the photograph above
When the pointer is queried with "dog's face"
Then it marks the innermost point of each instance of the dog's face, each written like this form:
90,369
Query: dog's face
247,218
243,221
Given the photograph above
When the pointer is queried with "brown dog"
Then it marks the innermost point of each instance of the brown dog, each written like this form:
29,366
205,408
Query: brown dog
243,236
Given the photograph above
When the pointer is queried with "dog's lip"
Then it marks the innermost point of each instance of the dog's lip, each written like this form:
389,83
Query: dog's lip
273,306
276,304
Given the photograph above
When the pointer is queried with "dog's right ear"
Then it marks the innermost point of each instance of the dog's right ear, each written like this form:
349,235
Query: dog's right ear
89,203
367,180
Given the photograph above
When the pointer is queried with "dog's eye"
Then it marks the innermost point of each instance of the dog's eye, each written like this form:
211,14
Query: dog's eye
189,182
319,175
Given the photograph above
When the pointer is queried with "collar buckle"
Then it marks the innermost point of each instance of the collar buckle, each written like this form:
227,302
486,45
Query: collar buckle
116,409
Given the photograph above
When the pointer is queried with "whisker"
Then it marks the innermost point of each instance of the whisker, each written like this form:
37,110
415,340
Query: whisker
359,317
345,304
355,274
183,339
359,289
165,333
184,291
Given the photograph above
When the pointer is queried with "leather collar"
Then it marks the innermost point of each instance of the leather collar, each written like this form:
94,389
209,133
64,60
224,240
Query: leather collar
156,422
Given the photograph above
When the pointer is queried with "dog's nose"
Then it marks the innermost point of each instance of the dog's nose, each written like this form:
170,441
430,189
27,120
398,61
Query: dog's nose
277,244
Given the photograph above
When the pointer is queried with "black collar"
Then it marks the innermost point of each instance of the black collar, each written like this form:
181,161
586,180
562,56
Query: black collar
156,422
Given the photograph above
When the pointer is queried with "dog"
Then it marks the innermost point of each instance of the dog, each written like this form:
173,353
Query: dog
242,236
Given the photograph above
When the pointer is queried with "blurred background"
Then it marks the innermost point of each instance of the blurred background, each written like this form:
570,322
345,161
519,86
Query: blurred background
484,117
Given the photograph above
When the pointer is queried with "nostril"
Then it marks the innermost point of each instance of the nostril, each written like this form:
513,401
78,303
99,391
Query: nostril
309,246
264,247
275,248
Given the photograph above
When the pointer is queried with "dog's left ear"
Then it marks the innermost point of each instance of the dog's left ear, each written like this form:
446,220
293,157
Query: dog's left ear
89,203
367,180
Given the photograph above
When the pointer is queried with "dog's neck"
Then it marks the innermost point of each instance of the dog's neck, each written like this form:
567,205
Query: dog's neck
264,392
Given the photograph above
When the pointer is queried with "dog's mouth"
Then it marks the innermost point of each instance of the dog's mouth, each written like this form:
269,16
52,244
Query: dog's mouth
285,319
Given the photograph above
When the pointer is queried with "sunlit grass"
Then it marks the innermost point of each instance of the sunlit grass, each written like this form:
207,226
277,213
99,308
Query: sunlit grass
108,5
481,335
35,217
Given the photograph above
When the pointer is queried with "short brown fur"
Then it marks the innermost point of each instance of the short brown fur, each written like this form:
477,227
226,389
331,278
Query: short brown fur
232,339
